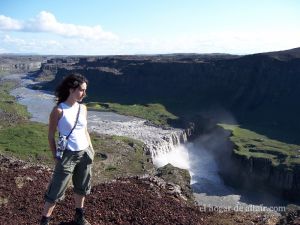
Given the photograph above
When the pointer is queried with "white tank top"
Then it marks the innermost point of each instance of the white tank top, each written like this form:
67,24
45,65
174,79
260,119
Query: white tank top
77,140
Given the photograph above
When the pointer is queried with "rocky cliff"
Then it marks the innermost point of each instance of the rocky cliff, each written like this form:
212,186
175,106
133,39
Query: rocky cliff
20,63
275,170
260,88
255,172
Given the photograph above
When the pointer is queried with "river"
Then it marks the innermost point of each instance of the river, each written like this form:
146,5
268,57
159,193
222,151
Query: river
208,187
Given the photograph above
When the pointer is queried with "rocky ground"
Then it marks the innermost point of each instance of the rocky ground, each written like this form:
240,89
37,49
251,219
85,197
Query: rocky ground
134,200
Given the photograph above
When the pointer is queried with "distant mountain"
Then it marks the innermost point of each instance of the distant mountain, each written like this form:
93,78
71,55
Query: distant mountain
285,54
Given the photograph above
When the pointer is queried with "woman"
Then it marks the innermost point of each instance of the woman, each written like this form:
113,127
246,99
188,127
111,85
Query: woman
76,161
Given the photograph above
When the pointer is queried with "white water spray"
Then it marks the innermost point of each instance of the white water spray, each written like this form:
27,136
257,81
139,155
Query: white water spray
178,157
200,164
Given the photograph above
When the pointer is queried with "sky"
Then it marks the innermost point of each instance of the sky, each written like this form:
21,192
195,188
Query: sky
126,27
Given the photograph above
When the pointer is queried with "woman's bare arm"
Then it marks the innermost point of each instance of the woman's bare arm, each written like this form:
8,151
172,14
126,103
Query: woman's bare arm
53,121
86,130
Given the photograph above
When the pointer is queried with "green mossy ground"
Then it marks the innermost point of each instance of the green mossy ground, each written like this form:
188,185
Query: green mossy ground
156,113
117,156
251,144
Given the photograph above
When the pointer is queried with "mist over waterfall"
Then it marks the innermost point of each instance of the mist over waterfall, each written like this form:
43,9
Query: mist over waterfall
207,185
202,158
199,162
178,157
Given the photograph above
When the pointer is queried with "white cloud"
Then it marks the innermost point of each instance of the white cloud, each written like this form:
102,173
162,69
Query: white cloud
29,45
234,42
43,34
7,23
219,42
7,39
46,22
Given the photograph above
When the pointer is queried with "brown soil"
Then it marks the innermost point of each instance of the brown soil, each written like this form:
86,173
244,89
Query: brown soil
123,201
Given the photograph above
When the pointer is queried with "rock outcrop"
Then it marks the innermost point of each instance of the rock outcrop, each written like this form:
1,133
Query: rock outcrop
291,216
256,172
20,63
178,180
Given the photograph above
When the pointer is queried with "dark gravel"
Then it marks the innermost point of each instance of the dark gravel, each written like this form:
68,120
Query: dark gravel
123,201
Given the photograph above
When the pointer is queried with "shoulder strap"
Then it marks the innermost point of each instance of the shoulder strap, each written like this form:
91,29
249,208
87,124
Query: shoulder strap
75,122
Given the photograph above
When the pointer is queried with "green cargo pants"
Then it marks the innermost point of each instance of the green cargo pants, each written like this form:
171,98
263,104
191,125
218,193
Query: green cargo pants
76,165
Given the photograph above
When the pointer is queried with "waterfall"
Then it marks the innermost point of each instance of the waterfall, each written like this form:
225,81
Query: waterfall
159,141
171,149
178,157
167,143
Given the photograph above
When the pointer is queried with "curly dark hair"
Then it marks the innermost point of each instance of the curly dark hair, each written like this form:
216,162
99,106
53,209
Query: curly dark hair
71,81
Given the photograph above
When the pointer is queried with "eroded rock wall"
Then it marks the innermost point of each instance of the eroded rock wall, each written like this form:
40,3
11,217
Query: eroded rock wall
260,173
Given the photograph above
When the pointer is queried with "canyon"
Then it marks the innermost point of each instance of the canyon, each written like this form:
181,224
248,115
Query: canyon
259,92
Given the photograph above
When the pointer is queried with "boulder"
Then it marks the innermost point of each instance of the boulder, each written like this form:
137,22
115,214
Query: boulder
175,177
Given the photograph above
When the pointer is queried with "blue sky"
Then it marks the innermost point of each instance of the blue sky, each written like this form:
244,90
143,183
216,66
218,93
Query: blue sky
98,27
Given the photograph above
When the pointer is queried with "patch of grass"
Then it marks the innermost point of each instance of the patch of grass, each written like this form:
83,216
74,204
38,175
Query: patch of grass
10,111
18,136
123,157
4,73
96,106
110,168
5,87
156,113
251,144
27,141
